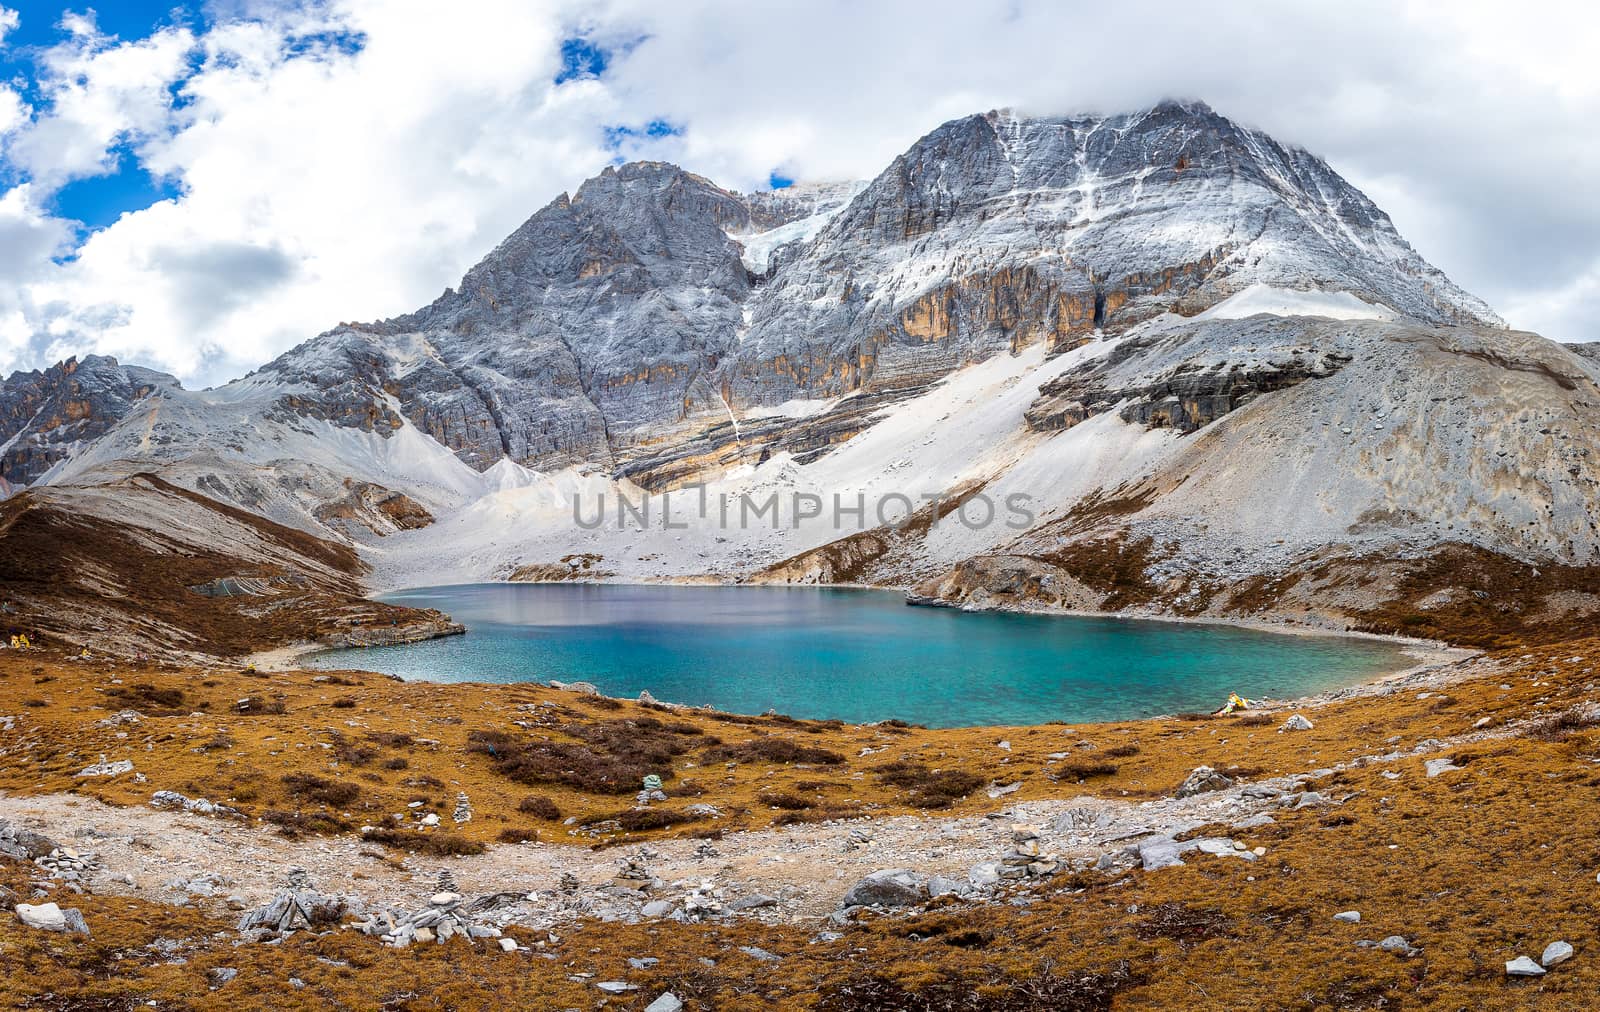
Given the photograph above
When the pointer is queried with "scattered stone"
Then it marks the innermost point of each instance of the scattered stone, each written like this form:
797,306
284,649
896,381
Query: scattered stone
197,806
656,909
642,962
1482,722
1398,945
755,902
1201,780
1001,790
892,887
1163,852
508,945
859,838
21,844
1255,821
1437,766
702,902
985,875
1310,799
938,886
616,986
758,953
1522,966
106,769
1349,917
1555,954
221,975
666,1003
1297,723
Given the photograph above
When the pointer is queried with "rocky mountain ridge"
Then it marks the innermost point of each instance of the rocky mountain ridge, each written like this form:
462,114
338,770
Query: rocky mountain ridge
627,312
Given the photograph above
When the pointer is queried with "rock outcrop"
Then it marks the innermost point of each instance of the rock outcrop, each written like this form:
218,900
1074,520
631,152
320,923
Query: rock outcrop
46,416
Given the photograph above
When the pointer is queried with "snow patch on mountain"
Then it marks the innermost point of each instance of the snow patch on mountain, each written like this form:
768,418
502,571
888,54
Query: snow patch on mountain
1275,301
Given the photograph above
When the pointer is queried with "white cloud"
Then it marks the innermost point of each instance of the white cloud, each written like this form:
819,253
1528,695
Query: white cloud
320,181
9,19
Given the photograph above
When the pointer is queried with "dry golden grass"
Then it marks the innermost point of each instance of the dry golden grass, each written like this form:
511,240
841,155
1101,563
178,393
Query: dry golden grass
1474,867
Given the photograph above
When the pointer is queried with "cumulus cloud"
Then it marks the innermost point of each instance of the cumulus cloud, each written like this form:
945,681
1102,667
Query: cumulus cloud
327,161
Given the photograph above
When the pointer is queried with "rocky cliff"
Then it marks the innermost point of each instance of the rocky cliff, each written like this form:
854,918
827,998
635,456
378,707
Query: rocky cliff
46,416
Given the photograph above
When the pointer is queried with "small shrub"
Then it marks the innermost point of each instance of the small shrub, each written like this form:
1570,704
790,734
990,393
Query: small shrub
432,844
774,750
540,807
146,695
518,836
344,704
929,788
1122,752
309,787
787,802
391,739
1087,770
397,763
253,706
295,824
638,820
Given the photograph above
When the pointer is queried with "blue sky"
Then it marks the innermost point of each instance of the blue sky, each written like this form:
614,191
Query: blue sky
94,201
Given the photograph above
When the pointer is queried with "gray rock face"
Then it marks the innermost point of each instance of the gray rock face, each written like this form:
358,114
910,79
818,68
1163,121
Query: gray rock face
46,416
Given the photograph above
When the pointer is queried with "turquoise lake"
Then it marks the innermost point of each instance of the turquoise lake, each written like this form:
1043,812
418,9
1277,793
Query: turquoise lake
858,655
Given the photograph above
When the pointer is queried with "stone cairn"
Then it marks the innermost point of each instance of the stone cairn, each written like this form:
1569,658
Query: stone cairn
298,908
68,865
1026,858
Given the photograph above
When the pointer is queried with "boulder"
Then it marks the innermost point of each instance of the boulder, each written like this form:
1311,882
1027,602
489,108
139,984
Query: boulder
1297,723
50,917
892,887
1522,966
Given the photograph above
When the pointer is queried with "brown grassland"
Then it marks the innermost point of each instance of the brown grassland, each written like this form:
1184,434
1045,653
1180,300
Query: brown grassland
1474,868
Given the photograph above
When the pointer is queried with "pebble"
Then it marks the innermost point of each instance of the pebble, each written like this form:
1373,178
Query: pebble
1349,917
1555,954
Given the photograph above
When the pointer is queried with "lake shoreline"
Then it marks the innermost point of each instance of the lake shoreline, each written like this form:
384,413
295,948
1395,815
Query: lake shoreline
1415,655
